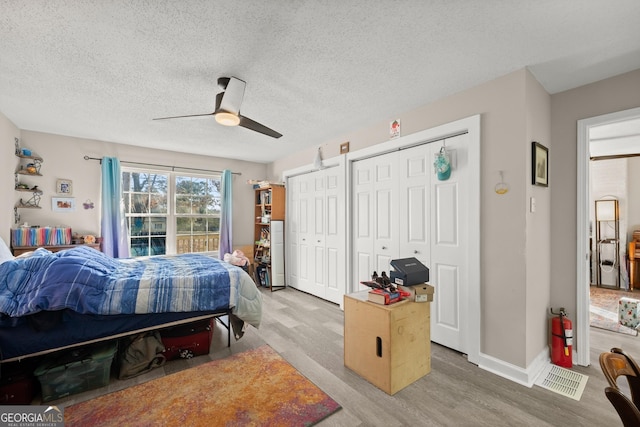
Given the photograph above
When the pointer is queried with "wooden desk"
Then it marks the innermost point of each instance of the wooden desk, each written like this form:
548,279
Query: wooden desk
19,250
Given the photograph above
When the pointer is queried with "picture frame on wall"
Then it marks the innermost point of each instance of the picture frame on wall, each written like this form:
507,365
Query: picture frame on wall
539,164
64,186
63,204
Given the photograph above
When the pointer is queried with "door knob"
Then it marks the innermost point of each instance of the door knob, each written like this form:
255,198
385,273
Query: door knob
416,252
384,247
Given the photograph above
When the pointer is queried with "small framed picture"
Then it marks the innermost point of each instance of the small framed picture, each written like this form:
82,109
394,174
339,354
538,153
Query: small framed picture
63,204
64,186
539,164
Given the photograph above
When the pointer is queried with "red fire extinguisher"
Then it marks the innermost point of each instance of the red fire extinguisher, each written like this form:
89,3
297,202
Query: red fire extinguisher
561,339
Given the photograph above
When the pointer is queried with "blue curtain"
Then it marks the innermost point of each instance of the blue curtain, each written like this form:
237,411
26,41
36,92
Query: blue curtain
115,239
226,246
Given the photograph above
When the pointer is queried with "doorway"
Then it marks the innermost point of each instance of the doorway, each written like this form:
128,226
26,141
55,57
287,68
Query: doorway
583,264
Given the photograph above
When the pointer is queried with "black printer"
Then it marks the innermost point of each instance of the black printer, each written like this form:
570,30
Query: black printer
408,272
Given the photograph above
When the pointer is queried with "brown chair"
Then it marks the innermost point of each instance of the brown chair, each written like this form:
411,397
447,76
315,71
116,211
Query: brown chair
634,257
615,364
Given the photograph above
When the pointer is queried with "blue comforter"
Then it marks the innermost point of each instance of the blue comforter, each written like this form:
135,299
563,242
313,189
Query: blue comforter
87,281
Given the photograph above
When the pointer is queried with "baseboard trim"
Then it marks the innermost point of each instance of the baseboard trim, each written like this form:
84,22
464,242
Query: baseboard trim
523,376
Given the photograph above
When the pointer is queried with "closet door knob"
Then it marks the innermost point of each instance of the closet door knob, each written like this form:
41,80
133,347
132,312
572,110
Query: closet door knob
384,247
416,252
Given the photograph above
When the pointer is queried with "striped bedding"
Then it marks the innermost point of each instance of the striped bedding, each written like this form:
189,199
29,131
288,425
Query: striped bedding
89,282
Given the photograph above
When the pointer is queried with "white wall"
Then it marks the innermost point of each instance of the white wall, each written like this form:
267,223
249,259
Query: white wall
64,158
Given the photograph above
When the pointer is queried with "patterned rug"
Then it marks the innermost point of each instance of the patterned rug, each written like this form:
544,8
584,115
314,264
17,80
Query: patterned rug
256,387
603,309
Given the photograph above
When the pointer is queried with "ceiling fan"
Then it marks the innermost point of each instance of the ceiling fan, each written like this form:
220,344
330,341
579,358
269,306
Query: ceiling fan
227,110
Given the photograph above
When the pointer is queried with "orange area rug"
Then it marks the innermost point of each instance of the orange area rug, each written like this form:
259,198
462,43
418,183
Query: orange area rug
254,388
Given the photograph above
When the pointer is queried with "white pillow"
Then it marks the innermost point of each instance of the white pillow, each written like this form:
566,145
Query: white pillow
5,252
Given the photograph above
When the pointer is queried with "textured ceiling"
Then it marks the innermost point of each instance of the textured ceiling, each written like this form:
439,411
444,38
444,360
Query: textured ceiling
314,69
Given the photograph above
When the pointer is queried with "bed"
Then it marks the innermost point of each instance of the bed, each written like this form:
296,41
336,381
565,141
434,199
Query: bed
51,301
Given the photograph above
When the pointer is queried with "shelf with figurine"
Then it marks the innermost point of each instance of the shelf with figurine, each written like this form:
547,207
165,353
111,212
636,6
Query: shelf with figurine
32,168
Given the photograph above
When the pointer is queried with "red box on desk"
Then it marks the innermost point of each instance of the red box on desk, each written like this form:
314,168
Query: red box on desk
189,340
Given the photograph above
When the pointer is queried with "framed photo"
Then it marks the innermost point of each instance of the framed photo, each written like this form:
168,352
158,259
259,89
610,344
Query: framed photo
539,164
64,186
63,204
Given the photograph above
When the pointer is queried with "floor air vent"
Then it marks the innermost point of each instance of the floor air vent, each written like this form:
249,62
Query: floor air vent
562,381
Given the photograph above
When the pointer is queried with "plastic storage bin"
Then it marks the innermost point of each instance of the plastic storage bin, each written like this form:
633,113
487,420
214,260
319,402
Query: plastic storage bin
76,371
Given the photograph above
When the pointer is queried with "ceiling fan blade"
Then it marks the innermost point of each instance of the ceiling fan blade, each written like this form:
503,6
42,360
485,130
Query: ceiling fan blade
232,96
246,122
182,117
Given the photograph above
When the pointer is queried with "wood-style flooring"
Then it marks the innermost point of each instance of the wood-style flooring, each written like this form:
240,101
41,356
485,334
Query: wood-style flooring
308,332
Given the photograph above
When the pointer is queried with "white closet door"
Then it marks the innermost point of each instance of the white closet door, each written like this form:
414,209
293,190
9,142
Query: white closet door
317,262
449,268
317,200
415,169
292,225
335,235
375,220
305,235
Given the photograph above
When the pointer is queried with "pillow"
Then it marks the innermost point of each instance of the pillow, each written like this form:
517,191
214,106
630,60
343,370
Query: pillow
5,252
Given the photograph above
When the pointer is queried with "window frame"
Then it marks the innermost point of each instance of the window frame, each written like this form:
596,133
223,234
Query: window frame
171,215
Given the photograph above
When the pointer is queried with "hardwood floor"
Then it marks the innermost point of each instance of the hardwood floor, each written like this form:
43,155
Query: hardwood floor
308,332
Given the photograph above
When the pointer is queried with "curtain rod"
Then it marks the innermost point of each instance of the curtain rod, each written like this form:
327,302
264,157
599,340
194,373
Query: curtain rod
173,168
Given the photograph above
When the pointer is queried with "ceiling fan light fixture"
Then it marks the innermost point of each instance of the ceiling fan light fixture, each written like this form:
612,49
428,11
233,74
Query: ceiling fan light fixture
227,119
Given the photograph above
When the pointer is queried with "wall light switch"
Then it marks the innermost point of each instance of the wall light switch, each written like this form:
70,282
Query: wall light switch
532,204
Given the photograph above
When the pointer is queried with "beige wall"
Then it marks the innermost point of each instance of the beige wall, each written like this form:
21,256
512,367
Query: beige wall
64,159
538,236
514,110
603,97
8,131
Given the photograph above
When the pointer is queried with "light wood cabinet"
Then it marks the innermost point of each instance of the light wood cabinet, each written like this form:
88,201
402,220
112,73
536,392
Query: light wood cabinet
388,345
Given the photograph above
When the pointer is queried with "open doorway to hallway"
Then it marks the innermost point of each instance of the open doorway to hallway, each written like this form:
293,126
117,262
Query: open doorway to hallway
608,148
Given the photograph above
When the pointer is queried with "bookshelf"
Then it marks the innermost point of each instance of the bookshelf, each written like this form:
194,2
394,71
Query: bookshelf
269,237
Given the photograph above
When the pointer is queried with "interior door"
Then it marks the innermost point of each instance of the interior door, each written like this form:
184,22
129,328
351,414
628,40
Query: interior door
449,267
305,234
415,166
317,267
375,216
316,199
335,234
292,225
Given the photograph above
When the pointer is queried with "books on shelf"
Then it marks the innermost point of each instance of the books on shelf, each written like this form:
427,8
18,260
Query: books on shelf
384,297
40,236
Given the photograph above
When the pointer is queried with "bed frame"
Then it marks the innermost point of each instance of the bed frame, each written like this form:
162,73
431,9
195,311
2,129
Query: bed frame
216,315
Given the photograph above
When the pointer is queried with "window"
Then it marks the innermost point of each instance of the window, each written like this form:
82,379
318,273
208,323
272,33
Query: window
170,213
198,207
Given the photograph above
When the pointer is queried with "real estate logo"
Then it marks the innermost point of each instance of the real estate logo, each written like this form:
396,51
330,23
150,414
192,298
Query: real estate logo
31,416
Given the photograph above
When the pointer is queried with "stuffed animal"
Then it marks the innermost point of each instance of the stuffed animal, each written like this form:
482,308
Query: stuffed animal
237,258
